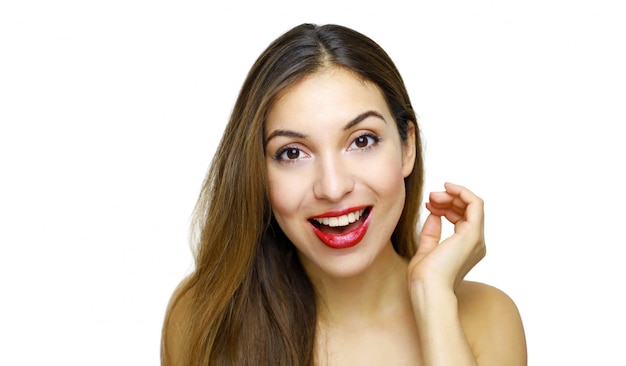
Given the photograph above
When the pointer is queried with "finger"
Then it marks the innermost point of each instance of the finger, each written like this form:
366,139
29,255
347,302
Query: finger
463,193
474,209
447,200
430,235
450,214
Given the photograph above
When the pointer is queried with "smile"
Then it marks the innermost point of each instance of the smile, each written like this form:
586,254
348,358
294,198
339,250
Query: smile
340,230
343,220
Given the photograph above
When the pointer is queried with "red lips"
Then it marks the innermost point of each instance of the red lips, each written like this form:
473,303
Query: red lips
344,240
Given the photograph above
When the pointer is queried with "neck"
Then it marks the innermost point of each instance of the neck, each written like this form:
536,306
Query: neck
371,296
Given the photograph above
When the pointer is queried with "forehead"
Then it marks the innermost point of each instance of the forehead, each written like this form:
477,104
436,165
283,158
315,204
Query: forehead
332,93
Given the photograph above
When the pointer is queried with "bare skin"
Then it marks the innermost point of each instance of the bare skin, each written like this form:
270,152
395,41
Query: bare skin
375,307
479,322
454,322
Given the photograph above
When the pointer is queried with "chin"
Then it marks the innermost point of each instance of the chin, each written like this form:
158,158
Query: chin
349,263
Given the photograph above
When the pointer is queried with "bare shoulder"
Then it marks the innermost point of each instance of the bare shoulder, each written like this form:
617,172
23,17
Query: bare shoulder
175,324
492,324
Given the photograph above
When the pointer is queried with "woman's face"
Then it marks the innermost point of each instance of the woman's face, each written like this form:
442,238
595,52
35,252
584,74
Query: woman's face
336,167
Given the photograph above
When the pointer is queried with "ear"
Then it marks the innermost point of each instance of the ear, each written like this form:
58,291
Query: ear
408,150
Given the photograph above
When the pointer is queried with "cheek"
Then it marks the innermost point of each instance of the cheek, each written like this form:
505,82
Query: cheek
284,197
389,177
391,183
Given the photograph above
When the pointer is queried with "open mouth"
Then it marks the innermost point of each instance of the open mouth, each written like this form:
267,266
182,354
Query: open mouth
344,230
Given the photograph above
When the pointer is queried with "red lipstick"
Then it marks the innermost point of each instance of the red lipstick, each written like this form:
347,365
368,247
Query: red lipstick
345,240
341,212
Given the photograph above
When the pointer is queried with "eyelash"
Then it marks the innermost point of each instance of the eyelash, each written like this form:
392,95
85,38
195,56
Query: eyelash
375,140
279,154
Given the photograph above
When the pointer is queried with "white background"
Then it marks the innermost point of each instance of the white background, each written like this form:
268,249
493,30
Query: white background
110,112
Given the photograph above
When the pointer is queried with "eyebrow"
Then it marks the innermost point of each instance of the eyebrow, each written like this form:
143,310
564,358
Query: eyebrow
361,117
286,133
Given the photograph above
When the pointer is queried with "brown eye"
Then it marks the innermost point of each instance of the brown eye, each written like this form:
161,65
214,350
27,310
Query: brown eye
292,153
361,141
365,141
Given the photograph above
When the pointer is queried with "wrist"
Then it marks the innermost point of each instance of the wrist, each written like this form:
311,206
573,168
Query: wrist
430,298
432,287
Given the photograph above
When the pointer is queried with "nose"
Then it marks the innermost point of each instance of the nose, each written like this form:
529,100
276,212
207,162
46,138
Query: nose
333,179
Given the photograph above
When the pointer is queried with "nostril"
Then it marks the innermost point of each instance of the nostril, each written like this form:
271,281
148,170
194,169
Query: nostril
333,187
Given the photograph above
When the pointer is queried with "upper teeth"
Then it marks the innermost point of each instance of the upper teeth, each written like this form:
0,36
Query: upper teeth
342,220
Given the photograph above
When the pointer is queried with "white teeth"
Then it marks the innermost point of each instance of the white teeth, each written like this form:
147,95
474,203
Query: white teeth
342,220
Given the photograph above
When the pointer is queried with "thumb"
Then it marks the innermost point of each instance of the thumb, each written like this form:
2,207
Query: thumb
430,236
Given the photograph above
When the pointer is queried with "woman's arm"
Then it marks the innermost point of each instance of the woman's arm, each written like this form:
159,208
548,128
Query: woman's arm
441,334
492,322
460,323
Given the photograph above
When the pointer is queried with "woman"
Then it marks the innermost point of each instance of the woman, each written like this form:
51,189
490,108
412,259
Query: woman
307,247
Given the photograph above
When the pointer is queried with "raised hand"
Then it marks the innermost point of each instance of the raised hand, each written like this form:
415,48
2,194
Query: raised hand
447,262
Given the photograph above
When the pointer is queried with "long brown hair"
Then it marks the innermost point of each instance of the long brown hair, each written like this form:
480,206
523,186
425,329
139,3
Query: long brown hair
250,301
